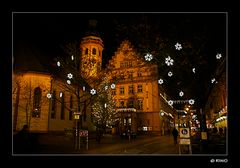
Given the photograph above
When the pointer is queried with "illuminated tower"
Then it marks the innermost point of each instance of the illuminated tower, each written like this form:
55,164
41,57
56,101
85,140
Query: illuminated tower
91,46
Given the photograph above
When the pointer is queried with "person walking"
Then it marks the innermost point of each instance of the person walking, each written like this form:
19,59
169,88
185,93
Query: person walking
175,135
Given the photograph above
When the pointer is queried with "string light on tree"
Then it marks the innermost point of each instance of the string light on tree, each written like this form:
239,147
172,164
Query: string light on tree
148,57
169,61
84,88
160,81
178,46
72,57
170,73
106,87
60,94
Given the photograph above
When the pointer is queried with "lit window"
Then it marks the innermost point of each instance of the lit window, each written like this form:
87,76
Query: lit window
139,88
37,102
62,107
131,89
53,112
94,51
121,89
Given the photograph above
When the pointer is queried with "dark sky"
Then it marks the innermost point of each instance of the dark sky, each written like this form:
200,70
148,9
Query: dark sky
48,31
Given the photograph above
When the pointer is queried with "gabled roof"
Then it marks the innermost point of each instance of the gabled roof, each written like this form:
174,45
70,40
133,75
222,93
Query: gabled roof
26,57
125,52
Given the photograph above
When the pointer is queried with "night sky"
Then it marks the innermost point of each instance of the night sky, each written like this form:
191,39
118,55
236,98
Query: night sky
48,31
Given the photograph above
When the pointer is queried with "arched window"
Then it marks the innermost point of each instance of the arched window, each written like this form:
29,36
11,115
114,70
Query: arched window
53,111
94,51
71,108
86,51
62,114
37,102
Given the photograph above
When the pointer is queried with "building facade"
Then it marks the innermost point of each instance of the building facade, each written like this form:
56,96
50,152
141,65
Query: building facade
47,103
137,94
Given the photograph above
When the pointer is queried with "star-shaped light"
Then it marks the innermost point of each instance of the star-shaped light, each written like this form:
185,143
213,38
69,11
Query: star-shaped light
191,101
170,73
160,81
70,76
113,86
181,93
169,61
148,57
218,56
49,95
170,102
92,91
178,46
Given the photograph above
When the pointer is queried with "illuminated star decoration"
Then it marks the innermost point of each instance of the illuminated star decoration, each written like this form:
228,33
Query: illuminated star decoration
218,56
170,73
148,57
93,91
70,76
113,86
169,61
160,81
178,46
181,93
49,95
170,102
191,101
58,63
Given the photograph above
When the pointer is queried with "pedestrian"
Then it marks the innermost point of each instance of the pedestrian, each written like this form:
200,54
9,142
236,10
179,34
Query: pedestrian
175,135
98,135
21,140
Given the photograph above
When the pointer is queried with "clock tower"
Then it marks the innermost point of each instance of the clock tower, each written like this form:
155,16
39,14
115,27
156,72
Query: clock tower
91,46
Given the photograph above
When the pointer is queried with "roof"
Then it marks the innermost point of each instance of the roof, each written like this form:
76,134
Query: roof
27,57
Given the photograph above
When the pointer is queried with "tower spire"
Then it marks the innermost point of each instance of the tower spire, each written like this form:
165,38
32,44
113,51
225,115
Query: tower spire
92,28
